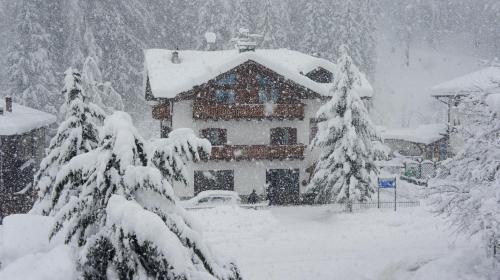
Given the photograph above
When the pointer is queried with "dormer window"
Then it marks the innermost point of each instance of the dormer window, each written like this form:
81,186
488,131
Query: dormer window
268,92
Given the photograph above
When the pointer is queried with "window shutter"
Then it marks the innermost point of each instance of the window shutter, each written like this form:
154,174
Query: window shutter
222,136
293,135
275,136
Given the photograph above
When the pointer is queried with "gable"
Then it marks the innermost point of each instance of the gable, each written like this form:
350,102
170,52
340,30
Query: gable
251,83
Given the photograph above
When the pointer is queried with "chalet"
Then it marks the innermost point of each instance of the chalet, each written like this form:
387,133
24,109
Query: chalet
22,141
256,107
427,142
485,81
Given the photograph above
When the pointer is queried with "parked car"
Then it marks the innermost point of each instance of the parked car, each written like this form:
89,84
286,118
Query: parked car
208,199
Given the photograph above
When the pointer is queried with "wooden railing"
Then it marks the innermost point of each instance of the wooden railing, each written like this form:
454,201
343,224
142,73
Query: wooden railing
247,111
257,152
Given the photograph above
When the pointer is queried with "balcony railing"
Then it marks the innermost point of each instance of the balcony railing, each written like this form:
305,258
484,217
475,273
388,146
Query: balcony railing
247,111
257,152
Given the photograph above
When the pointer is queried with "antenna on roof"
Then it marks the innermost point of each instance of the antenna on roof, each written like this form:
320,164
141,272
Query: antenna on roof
211,38
245,41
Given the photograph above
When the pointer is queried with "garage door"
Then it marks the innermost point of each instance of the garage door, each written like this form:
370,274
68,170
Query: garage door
283,186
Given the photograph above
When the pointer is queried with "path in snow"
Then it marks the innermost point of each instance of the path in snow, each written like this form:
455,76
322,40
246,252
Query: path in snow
313,243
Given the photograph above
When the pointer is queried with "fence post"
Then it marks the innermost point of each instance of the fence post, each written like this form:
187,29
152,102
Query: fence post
395,187
378,193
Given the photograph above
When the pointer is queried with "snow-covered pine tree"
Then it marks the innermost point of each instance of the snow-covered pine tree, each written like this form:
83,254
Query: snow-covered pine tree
213,17
100,93
242,17
30,69
467,187
317,29
76,135
345,133
126,219
274,24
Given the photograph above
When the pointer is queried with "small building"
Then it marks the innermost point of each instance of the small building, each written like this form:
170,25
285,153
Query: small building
428,142
485,81
256,107
23,140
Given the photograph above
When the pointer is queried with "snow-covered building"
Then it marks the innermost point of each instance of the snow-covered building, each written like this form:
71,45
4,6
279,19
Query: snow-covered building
22,145
257,108
483,82
427,142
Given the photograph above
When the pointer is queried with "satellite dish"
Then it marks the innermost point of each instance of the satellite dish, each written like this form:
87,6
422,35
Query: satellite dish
210,37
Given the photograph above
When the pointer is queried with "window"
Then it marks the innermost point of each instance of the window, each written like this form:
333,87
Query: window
213,180
227,80
268,93
216,136
283,136
225,96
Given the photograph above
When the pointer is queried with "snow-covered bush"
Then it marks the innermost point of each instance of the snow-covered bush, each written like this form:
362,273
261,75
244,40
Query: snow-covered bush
76,135
467,187
345,135
126,218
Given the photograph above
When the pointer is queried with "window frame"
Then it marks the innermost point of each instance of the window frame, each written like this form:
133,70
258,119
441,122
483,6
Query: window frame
278,137
221,135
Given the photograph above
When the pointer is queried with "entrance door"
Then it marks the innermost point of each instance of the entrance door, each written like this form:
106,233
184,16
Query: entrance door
283,186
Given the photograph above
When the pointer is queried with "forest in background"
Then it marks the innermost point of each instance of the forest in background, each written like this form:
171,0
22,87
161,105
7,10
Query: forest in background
41,38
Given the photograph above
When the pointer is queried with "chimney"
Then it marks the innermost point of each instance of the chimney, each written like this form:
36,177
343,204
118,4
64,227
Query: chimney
175,57
8,104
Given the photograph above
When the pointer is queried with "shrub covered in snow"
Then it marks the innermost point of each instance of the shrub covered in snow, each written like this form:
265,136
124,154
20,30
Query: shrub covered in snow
467,188
345,135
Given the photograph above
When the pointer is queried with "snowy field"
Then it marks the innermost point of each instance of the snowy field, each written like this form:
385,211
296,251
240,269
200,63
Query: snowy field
313,242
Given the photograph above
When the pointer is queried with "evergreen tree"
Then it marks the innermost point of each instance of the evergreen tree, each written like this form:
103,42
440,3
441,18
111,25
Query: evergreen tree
242,18
274,24
317,36
126,219
213,17
30,69
76,135
466,189
345,135
100,93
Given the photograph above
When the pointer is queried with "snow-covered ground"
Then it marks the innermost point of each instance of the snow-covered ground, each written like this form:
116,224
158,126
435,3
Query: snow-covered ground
295,242
312,242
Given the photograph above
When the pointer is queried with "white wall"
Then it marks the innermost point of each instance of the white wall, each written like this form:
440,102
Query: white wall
248,175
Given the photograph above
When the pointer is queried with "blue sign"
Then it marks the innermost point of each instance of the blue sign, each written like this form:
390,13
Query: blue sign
387,183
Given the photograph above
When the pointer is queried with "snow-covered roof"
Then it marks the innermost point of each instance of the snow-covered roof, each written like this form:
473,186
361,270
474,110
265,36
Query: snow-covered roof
168,79
425,134
493,100
23,119
487,79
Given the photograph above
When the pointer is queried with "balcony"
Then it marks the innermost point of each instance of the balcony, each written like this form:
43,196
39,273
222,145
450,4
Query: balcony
205,111
257,152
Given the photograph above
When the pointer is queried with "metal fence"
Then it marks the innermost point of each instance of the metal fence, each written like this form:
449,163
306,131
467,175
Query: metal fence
357,206
369,205
420,170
